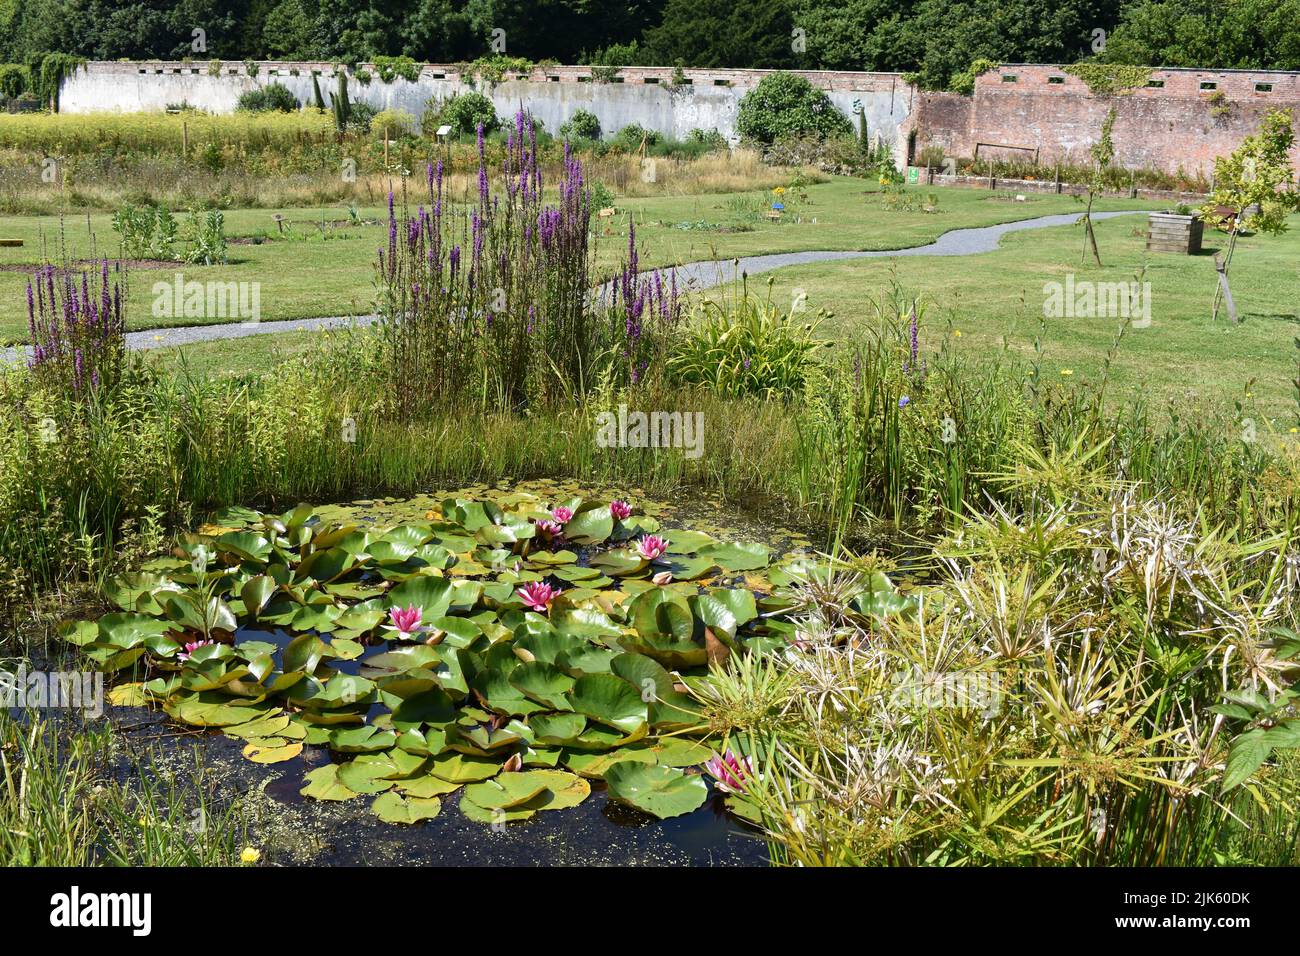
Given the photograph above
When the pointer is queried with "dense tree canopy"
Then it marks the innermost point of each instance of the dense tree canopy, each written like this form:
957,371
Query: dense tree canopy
934,39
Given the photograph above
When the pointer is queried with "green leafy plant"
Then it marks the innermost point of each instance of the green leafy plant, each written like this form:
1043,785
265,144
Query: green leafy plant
206,233
583,124
146,232
390,68
743,345
464,113
1257,183
272,97
786,104
508,681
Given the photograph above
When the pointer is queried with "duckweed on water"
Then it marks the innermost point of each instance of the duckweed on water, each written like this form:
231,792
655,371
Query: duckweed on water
501,648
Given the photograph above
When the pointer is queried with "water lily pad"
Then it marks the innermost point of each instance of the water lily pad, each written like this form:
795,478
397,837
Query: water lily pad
463,768
363,739
208,713
395,808
268,725
595,765
557,728
278,751
543,682
610,700
661,791
590,526
563,790
426,786
620,563
506,790
494,817
431,595
323,784
737,556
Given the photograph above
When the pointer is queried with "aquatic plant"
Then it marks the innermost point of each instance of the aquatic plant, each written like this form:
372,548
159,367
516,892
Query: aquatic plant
405,621
514,672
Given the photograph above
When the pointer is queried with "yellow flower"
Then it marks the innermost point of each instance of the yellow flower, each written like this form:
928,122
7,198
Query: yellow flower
143,822
956,333
1294,430
250,855
1067,371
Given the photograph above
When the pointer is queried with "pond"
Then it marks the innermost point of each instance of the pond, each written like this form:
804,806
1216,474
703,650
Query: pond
490,681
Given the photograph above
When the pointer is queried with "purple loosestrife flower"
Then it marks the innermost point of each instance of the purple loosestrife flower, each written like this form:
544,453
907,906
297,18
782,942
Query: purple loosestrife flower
914,341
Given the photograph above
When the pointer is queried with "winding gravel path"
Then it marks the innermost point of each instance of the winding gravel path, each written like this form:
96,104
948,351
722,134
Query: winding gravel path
692,275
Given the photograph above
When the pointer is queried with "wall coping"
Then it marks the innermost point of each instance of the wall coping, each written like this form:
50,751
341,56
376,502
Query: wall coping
635,75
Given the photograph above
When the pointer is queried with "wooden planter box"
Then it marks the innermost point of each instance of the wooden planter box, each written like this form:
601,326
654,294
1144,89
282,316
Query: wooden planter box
1170,232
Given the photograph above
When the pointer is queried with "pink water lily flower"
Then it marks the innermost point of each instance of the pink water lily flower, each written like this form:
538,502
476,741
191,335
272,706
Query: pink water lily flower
562,515
651,546
538,595
620,510
191,648
550,528
730,773
405,620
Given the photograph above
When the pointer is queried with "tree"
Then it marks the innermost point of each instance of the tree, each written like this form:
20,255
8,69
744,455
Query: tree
1258,174
1236,34
288,32
723,33
1103,154
785,104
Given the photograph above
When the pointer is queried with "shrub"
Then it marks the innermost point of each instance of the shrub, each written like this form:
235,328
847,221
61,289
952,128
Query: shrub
390,68
631,136
14,80
360,116
464,113
581,125
273,97
388,124
708,138
784,104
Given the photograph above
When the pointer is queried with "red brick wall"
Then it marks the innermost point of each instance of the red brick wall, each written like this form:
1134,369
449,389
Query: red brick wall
1175,126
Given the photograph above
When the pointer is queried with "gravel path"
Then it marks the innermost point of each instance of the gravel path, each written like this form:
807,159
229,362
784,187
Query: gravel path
692,275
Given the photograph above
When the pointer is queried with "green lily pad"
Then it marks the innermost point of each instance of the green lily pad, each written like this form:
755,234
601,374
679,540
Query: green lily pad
661,791
395,808
609,700
323,784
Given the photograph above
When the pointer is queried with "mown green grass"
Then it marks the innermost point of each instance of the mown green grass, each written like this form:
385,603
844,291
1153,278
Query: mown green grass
992,302
989,303
313,275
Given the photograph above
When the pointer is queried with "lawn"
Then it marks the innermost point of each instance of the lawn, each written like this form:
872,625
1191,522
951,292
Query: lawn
315,271
991,303
987,303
